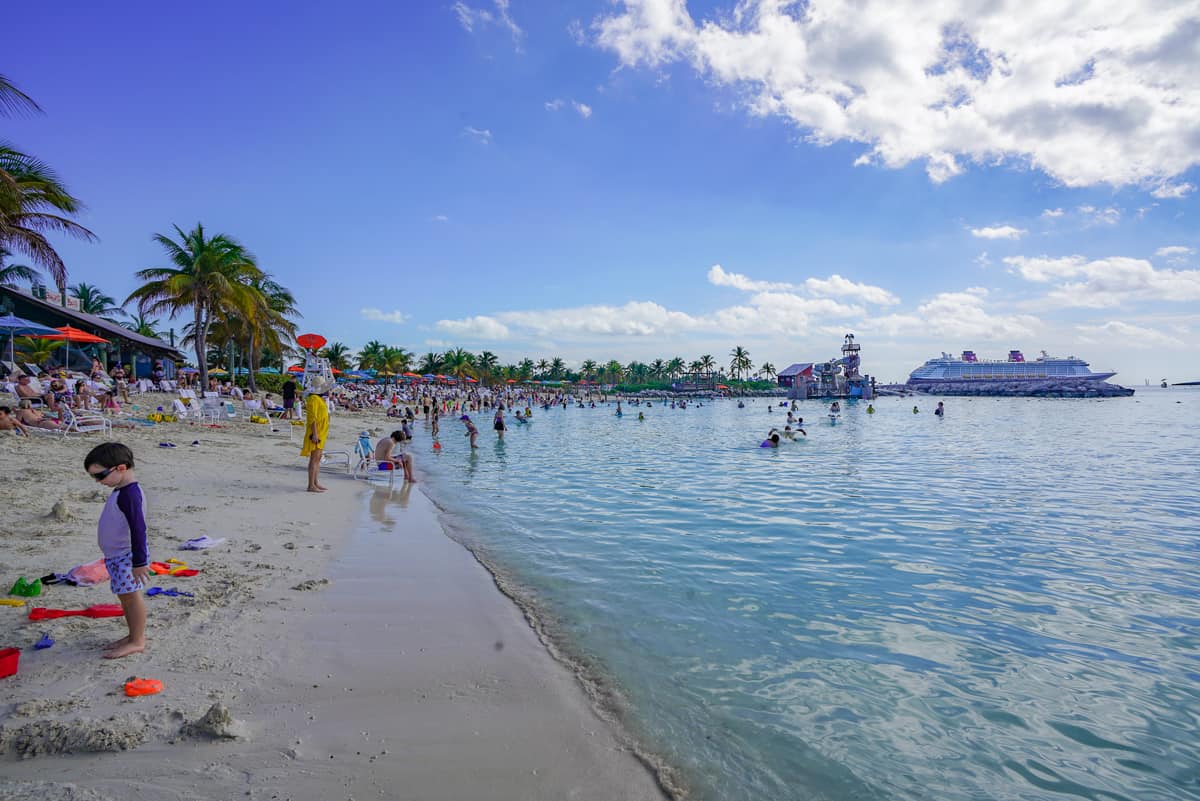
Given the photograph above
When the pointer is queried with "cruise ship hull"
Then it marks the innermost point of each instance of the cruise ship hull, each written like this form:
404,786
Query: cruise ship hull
1011,379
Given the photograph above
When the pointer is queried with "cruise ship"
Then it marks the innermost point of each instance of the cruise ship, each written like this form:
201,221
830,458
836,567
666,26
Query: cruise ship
969,367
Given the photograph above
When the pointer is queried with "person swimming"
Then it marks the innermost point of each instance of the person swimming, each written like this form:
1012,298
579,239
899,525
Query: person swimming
916,410
940,410
772,440
641,416
835,407
870,409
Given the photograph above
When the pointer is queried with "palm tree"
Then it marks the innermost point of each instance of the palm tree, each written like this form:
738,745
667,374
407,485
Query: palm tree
767,370
658,368
430,363
707,363
557,367
210,277
542,367
675,367
143,325
589,369
270,325
488,364
459,363
338,355
739,361
35,351
371,356
613,371
395,360
525,369
93,301
10,274
33,200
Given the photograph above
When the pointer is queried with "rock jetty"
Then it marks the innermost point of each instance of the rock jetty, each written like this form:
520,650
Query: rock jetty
1049,388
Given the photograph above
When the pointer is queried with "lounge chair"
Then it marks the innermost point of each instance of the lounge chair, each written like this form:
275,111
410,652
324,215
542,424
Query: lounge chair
76,422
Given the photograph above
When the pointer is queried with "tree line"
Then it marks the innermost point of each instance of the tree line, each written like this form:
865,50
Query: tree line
486,367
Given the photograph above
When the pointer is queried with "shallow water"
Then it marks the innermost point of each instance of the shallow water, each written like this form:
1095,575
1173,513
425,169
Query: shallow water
999,605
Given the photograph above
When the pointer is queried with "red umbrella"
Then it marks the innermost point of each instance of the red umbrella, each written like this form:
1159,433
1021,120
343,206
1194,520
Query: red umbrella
512,380
296,368
411,375
473,380
310,341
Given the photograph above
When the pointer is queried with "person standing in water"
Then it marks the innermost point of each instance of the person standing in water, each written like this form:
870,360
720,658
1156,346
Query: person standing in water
498,421
472,431
940,411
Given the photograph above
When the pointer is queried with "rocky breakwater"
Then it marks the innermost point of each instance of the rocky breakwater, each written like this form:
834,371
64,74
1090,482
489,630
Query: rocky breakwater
1048,388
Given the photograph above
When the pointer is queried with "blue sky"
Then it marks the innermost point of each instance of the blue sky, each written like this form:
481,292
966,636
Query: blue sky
647,179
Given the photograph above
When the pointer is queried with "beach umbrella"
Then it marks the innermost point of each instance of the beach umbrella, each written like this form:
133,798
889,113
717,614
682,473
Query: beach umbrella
189,370
296,368
472,381
218,371
268,371
20,327
512,381
412,375
429,376
310,341
71,334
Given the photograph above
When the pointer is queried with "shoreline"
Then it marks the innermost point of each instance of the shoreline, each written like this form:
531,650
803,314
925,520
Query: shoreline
63,711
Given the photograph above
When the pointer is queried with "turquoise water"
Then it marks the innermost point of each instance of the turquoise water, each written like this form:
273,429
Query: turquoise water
1002,604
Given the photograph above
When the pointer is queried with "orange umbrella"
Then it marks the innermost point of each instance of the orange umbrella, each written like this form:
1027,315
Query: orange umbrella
71,334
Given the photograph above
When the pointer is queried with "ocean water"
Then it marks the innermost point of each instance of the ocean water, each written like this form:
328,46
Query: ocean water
1002,604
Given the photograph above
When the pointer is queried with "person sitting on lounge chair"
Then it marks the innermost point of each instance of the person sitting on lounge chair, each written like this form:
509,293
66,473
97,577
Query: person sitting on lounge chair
10,423
385,459
25,388
30,417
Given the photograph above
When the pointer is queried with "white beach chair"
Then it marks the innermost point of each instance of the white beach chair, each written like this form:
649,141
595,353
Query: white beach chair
212,408
77,422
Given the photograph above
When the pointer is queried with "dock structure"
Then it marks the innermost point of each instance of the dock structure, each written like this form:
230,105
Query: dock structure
837,378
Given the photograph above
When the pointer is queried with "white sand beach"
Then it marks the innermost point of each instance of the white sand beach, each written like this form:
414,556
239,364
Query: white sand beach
338,645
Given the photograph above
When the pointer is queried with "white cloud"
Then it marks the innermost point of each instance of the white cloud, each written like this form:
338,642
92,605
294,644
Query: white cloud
1117,333
1175,253
983,260
999,232
1109,215
481,135
837,287
440,218
471,18
378,315
576,32
1106,282
1168,191
1053,213
1106,94
717,276
959,316
557,104
478,328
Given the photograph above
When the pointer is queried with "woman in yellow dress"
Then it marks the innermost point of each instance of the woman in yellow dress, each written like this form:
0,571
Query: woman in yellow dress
316,431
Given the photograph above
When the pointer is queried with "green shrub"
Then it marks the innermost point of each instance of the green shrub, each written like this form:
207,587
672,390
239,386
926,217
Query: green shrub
266,382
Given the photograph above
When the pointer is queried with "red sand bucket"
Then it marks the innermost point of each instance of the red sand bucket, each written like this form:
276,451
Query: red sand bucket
8,662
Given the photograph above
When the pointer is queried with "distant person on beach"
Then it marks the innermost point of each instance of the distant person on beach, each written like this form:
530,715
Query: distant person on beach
316,432
122,538
472,431
433,416
118,375
157,375
30,417
940,410
387,461
10,423
289,398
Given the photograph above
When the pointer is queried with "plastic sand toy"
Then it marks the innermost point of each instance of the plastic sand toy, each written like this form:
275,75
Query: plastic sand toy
138,687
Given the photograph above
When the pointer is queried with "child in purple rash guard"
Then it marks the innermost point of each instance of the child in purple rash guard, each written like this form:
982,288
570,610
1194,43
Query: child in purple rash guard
122,538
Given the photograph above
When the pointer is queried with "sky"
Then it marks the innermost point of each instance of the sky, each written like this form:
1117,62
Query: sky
645,179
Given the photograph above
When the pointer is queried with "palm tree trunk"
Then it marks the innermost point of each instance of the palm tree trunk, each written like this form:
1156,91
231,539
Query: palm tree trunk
201,344
253,359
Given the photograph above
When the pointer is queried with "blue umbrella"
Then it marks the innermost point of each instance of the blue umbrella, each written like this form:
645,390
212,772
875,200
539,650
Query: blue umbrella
19,326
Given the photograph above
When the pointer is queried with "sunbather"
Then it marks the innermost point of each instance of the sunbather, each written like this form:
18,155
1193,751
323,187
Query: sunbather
10,423
25,388
28,416
388,461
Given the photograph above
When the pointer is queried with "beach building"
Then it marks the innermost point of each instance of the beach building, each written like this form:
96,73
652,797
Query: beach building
695,382
788,376
123,345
